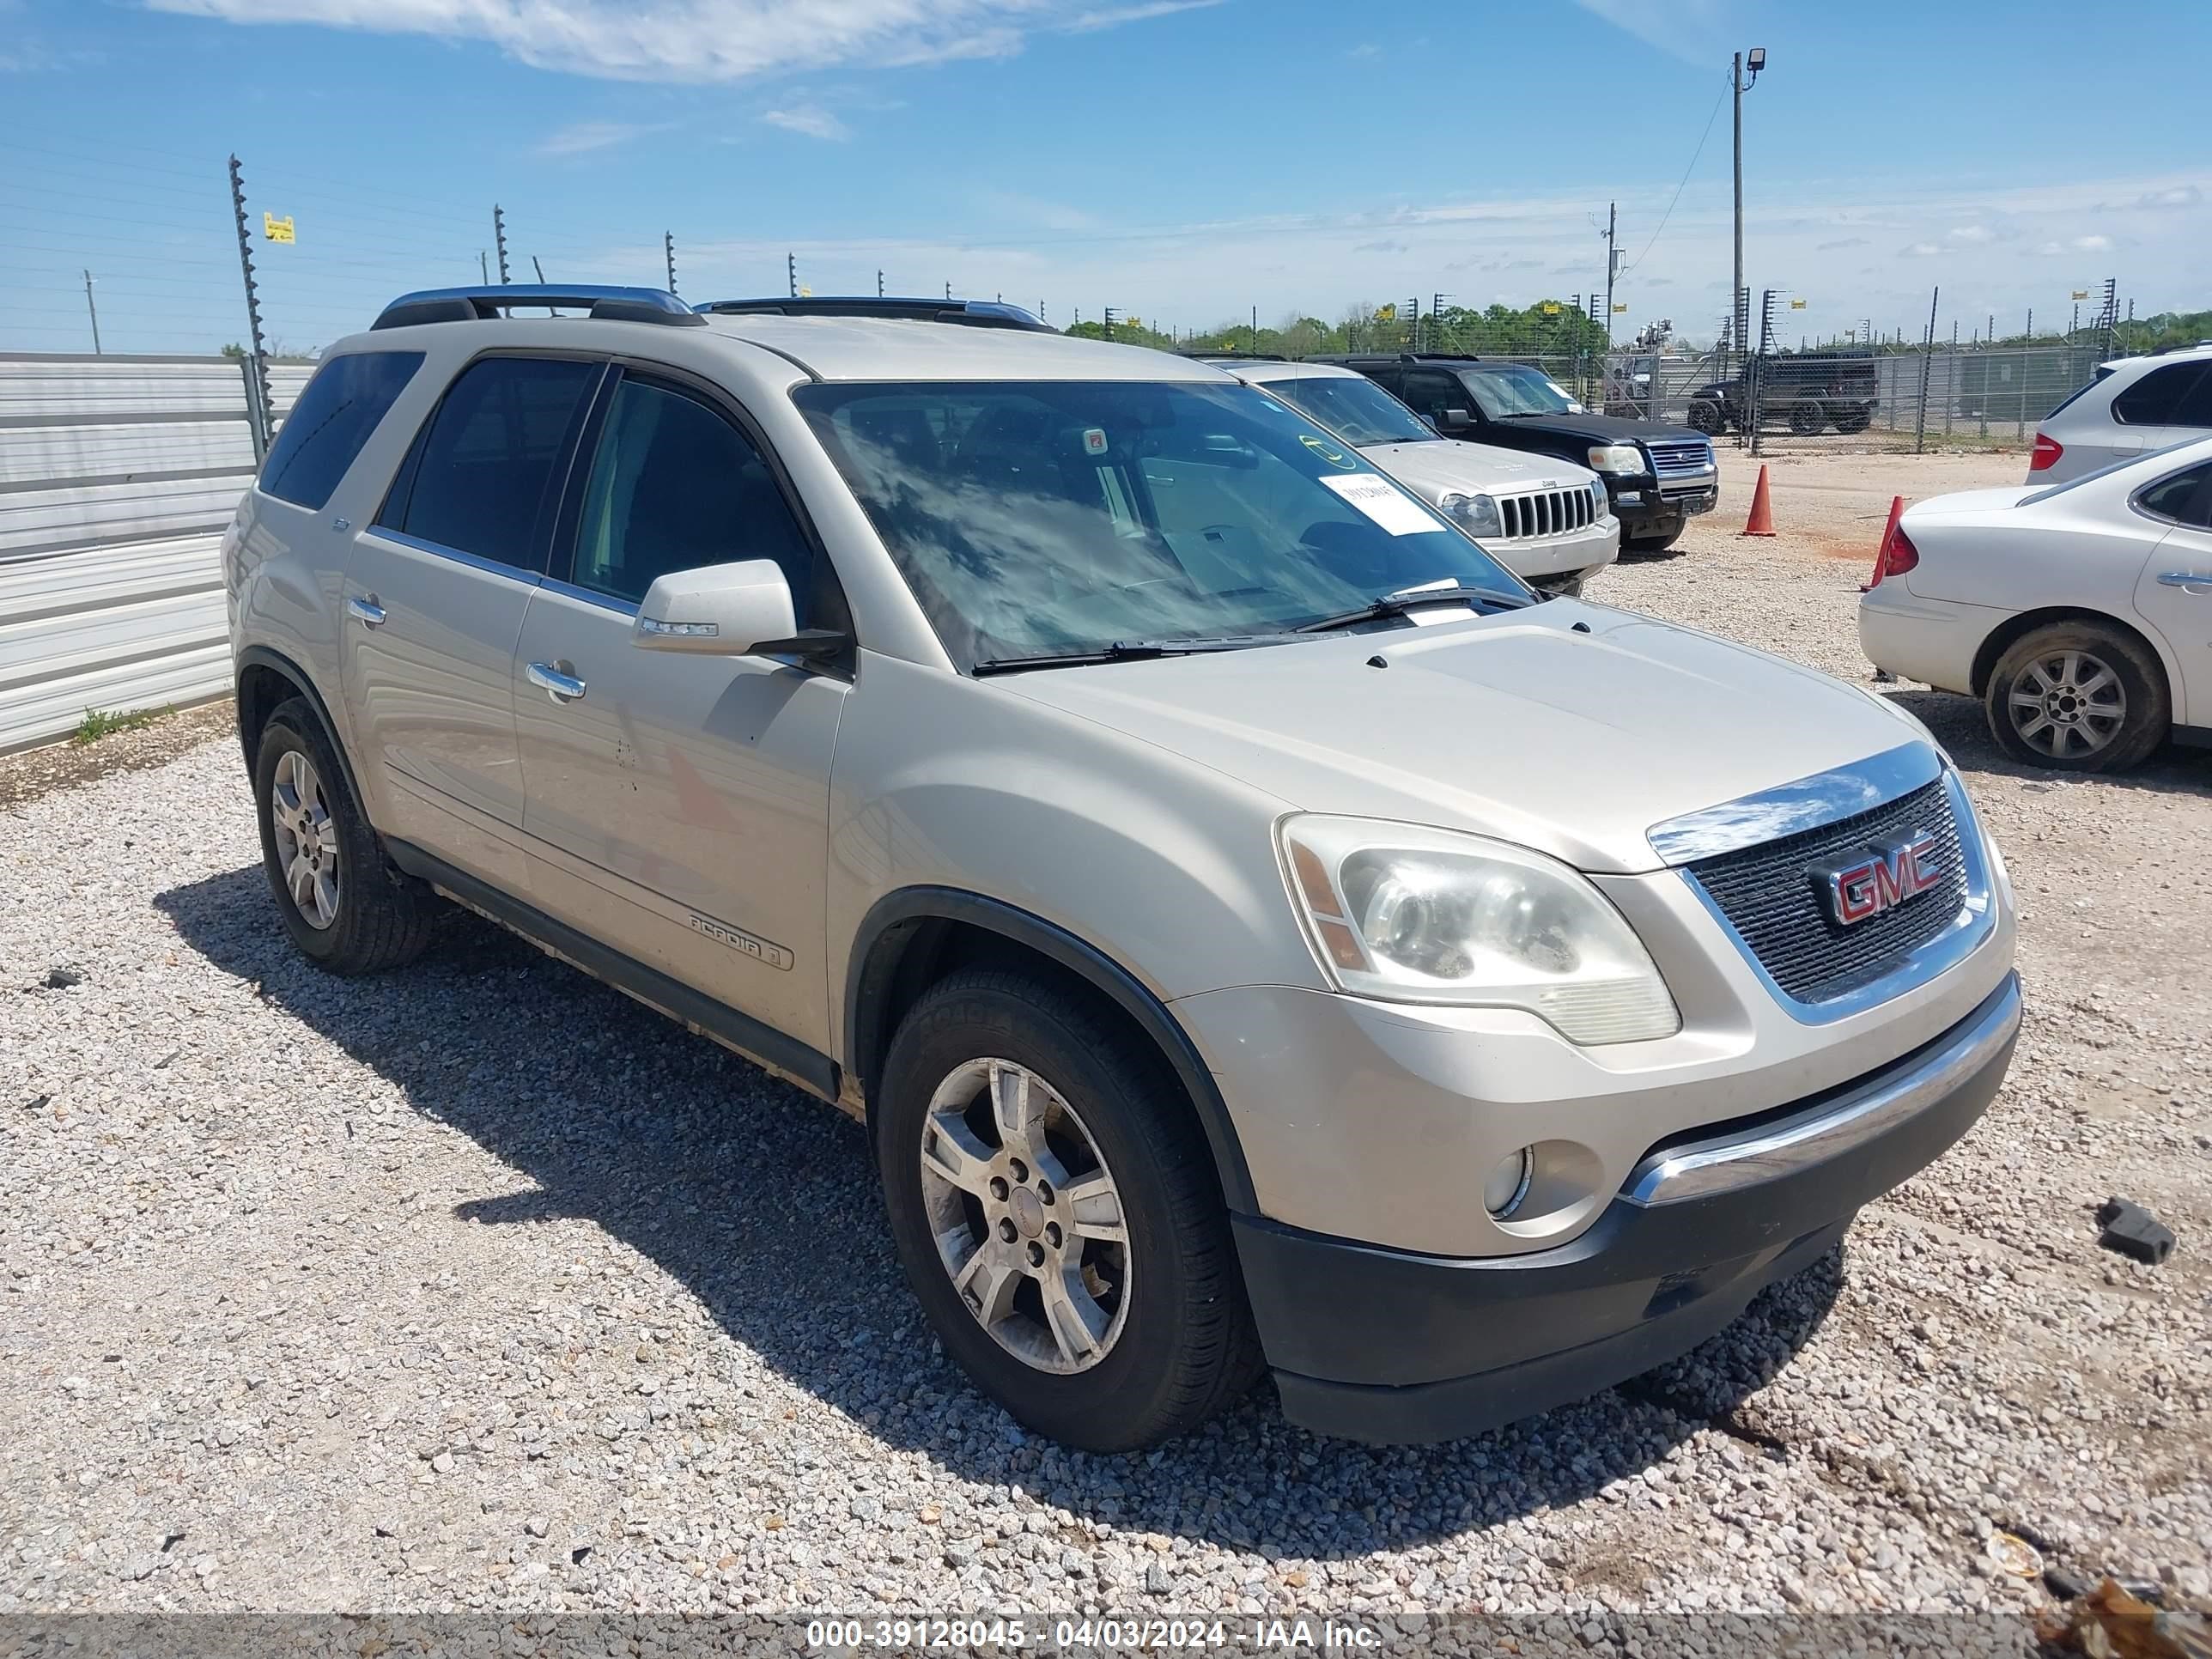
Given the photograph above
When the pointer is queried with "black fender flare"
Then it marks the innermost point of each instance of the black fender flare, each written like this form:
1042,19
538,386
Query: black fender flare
260,656
871,973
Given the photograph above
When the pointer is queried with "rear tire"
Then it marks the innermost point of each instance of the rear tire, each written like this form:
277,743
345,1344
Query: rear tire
346,910
1009,1108
1806,418
1850,421
2078,696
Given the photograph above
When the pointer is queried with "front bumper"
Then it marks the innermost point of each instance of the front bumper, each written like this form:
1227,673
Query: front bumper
1389,1346
1646,505
1587,548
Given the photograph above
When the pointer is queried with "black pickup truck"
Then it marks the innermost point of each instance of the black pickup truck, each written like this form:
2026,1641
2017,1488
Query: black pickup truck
1806,393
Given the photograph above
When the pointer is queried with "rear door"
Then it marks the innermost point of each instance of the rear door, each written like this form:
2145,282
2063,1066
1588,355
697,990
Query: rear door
435,594
677,806
2156,410
2175,592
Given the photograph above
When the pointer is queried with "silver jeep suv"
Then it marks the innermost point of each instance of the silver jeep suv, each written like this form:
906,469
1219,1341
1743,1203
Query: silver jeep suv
1257,930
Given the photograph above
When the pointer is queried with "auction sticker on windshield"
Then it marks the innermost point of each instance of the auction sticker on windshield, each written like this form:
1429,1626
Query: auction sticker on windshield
1382,500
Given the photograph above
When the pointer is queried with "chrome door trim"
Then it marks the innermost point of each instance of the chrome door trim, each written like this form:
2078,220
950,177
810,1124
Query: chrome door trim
475,562
2184,579
1787,809
366,611
1864,1111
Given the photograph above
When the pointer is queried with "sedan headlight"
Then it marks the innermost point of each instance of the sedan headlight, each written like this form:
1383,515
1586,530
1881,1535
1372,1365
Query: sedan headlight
1476,514
1616,458
1408,913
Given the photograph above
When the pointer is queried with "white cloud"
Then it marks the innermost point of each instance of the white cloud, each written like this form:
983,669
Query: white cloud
2092,243
1971,234
1918,250
587,136
702,40
811,119
1108,17
1689,29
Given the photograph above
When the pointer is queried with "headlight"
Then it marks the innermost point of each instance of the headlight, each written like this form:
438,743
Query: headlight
1616,457
1413,914
1476,514
1598,498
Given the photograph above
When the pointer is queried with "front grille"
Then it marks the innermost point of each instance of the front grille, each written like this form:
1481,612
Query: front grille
1547,512
1769,898
1679,458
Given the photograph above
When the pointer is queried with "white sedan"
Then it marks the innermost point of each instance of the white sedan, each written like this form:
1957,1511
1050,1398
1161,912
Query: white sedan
2080,614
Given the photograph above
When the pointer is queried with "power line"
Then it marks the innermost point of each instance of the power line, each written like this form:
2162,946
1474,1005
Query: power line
1687,171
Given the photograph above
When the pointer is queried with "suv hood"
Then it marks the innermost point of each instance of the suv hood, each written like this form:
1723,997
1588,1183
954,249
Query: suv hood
1446,466
1511,725
1600,429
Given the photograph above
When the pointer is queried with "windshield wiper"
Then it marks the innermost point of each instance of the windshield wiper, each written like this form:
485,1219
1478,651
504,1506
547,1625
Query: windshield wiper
1397,604
1129,651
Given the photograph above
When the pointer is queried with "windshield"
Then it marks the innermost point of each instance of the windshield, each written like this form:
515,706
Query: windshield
1036,518
1504,389
1354,408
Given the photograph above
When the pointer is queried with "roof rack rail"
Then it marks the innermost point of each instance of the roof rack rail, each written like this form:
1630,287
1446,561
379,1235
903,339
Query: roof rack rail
1237,357
973,313
468,305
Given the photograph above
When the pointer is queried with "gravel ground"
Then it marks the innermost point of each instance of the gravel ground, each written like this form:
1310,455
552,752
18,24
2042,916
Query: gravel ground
479,1286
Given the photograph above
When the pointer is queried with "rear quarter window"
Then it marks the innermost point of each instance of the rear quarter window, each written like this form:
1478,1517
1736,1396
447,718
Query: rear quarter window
2156,398
331,422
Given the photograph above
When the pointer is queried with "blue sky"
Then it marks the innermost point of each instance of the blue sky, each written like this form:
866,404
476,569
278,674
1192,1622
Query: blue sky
1182,159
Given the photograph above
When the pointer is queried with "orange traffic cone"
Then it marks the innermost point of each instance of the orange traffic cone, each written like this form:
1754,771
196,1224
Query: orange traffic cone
1881,547
1761,521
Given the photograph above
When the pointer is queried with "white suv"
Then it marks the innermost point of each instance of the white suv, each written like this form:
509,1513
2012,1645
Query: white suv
1255,928
1546,520
2133,406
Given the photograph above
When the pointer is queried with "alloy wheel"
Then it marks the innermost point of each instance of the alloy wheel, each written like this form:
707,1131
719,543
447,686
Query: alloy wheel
2068,704
307,839
1028,1221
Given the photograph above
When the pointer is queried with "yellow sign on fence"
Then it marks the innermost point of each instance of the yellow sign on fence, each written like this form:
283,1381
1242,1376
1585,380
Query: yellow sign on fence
1796,305
1551,307
2079,293
1619,310
278,230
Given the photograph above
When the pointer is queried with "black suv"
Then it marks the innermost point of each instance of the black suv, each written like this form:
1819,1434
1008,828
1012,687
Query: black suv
1809,393
1659,477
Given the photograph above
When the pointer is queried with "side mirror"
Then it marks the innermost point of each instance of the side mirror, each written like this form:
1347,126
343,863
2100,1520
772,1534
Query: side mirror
717,611
1453,420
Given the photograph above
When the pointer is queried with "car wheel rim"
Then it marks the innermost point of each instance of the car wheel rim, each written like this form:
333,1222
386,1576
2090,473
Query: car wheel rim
1027,1220
306,840
2068,705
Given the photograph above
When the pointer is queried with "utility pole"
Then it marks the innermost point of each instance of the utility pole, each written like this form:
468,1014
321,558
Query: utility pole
94,310
948,289
1255,330
499,240
1613,253
790,273
880,283
258,384
483,269
1737,88
668,251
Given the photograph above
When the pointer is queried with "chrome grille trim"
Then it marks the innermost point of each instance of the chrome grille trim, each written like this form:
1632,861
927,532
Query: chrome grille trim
1801,804
1546,512
1965,915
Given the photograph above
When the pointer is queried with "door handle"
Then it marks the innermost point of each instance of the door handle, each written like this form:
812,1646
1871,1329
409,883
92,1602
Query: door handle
366,611
562,688
2184,579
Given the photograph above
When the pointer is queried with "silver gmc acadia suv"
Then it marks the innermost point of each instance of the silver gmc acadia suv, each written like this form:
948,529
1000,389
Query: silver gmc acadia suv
1257,930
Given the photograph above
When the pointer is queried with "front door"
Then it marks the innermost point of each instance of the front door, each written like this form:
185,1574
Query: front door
2174,593
435,591
677,807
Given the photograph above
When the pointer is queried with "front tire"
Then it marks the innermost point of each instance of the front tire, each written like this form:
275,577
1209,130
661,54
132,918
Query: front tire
1648,544
2078,696
1056,1209
344,908
1806,418
1706,417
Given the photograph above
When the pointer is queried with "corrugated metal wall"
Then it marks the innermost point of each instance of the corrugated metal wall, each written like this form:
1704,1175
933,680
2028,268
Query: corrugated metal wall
116,477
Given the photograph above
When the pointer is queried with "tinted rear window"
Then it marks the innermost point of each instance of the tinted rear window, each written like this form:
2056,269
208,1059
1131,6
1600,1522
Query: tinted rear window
331,421
486,461
2156,398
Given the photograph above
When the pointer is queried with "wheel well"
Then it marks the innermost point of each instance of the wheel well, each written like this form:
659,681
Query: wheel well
260,689
914,952
2001,639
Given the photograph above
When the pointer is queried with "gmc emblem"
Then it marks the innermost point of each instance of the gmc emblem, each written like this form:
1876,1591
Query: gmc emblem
1893,872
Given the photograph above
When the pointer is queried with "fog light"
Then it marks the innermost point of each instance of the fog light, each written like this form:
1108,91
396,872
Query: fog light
1508,1184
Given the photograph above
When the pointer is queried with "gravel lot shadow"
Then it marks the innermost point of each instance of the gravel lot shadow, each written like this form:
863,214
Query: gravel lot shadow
1959,724
762,1204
